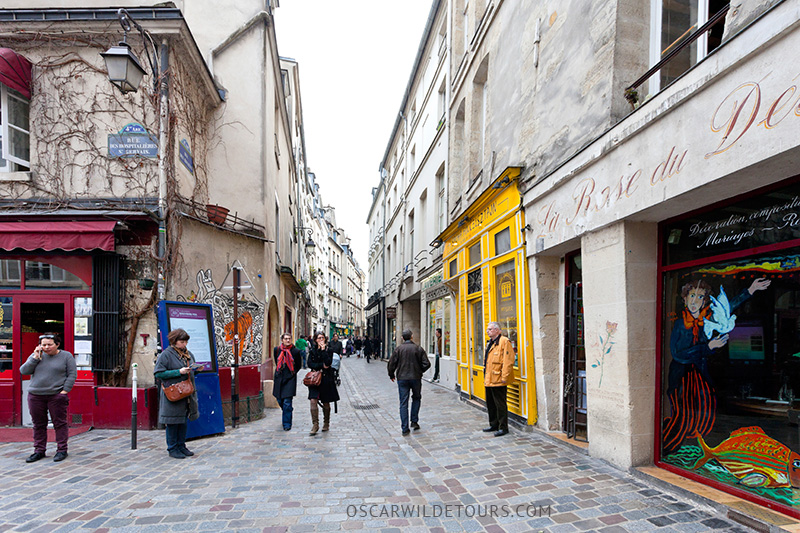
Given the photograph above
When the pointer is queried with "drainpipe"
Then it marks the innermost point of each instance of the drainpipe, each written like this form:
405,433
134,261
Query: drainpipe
163,124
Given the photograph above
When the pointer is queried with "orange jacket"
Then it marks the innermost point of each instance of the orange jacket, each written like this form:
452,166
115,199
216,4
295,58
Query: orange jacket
500,364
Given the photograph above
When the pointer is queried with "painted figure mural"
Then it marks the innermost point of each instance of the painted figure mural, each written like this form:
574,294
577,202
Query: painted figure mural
250,321
690,389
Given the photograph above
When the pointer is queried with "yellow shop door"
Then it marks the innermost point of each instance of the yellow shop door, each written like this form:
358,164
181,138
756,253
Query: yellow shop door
476,348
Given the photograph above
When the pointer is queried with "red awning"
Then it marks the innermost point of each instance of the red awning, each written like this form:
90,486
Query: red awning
15,72
58,235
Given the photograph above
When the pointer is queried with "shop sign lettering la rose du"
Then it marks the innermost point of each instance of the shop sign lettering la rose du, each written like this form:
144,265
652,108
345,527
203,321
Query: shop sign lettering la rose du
747,117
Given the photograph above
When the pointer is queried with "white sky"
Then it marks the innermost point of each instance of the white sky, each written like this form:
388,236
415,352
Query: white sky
355,58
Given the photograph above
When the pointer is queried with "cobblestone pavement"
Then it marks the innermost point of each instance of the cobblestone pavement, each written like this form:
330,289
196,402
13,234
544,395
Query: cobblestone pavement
362,475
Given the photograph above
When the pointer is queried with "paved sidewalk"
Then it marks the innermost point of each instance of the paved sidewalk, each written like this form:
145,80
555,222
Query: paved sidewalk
362,475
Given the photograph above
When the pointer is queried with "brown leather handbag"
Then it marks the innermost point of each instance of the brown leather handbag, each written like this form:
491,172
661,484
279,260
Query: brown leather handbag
313,378
179,390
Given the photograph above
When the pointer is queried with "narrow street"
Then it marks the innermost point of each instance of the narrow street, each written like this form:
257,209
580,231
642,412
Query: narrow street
362,475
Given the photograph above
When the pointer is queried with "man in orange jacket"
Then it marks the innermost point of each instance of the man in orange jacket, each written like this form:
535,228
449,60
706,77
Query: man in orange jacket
498,373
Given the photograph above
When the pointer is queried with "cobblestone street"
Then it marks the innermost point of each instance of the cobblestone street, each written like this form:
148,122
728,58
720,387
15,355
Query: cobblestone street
362,475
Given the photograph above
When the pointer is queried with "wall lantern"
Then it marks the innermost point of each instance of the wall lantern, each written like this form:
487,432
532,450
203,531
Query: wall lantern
124,69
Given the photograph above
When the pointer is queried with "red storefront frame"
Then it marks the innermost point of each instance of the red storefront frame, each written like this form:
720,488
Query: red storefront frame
785,245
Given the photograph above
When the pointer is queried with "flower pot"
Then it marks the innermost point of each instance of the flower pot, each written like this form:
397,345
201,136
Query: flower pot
216,213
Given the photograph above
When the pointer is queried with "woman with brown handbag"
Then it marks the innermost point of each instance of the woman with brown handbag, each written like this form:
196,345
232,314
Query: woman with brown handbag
175,365
320,359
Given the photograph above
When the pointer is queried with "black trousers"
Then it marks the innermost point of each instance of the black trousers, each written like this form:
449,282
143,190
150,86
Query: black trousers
497,407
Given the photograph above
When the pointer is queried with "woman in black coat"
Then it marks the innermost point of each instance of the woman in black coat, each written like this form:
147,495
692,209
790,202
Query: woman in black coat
288,360
173,365
321,358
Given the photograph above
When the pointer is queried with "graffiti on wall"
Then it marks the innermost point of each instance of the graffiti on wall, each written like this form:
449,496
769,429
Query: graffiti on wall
250,321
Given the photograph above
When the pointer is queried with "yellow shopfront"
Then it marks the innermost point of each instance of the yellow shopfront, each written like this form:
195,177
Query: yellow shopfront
484,258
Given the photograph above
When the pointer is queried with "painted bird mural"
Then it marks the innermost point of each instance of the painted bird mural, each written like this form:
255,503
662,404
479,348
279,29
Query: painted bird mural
755,459
721,318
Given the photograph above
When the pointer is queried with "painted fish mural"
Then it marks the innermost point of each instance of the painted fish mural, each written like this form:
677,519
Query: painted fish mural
755,459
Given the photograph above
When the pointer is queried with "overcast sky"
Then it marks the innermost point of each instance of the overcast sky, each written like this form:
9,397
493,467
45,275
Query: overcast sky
355,57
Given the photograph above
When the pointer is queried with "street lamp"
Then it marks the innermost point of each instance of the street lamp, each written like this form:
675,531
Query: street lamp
124,69
310,244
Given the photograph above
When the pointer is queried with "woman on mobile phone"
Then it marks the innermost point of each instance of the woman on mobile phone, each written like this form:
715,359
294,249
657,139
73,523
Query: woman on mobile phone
53,373
173,365
321,358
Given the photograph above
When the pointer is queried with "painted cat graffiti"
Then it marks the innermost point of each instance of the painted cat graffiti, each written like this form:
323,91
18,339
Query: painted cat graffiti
251,320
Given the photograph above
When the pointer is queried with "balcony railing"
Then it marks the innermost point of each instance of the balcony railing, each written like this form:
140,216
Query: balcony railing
632,93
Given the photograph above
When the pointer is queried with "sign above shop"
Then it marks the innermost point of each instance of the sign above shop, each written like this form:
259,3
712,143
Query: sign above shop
131,141
439,291
763,220
391,312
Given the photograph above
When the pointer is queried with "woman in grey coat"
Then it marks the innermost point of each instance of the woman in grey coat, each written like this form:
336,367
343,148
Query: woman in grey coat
174,365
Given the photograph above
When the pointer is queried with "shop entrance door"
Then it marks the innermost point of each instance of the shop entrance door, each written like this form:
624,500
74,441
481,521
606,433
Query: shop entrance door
38,314
575,421
476,348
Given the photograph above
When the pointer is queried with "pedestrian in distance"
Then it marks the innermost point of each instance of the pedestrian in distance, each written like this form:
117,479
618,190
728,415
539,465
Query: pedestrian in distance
498,373
302,345
53,372
367,347
321,358
284,385
376,348
173,365
438,355
336,345
357,344
407,363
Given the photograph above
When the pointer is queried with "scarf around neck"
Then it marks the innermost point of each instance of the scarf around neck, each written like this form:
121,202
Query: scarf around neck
693,323
285,358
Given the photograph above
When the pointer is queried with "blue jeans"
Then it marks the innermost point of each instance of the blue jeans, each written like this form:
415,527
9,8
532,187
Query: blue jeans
176,437
414,386
286,406
304,354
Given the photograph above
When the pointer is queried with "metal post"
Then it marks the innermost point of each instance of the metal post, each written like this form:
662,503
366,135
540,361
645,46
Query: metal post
235,367
134,393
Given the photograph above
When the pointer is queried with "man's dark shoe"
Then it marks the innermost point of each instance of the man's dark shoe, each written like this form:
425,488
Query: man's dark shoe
501,433
35,457
489,430
414,425
406,432
59,456
185,451
175,454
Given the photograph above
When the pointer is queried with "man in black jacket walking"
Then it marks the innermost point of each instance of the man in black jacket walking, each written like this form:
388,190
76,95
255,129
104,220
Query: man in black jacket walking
408,362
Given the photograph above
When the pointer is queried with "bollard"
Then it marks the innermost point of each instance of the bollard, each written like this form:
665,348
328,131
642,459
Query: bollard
133,407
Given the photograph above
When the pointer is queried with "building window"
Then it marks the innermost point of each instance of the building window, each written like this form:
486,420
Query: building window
502,241
14,131
730,354
672,22
453,268
474,281
441,208
475,254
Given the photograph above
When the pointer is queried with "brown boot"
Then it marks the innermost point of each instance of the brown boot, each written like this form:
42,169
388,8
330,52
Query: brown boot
326,416
314,420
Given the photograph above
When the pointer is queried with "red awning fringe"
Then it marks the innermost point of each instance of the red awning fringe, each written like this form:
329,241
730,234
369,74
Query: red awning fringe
58,235
15,72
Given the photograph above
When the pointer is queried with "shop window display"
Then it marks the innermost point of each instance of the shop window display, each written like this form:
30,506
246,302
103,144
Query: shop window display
730,352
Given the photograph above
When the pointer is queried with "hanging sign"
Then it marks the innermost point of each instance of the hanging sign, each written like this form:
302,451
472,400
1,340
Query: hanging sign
131,141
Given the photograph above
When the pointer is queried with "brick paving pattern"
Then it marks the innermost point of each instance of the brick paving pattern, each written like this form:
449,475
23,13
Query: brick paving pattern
363,475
